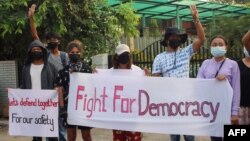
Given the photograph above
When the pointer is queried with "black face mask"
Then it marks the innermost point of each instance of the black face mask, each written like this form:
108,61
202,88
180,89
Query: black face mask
36,55
123,58
52,46
174,43
74,57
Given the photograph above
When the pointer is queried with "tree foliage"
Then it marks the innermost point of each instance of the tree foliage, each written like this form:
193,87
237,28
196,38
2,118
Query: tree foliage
91,21
154,30
232,28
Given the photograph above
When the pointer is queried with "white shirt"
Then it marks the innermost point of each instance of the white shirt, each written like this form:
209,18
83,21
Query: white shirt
35,74
137,71
173,64
134,67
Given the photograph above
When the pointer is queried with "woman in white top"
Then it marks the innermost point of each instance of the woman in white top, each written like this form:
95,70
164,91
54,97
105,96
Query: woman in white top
123,60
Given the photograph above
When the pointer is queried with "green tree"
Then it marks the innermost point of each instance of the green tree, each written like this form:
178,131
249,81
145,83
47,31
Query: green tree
13,29
154,30
233,29
91,21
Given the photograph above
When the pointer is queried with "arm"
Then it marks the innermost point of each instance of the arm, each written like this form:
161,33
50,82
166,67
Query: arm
146,72
60,95
58,84
236,94
236,89
201,71
156,71
200,32
32,22
246,41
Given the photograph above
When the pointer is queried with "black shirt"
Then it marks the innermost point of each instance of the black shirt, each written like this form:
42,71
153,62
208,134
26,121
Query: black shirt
245,84
62,79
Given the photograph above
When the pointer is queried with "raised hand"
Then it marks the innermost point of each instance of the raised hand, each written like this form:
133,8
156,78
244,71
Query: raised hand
31,13
32,10
194,12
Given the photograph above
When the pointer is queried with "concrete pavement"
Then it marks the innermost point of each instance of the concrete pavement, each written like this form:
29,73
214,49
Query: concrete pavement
97,134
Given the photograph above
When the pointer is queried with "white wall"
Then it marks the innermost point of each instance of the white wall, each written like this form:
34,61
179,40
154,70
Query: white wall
8,79
100,61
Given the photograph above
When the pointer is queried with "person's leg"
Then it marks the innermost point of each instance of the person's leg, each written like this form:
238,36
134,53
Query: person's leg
71,133
86,136
216,138
174,137
188,138
118,135
133,136
37,139
62,129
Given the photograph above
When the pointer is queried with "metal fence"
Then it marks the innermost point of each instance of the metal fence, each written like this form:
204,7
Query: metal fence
145,58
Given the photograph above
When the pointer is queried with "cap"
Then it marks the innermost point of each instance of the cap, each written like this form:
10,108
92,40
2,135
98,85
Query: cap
121,49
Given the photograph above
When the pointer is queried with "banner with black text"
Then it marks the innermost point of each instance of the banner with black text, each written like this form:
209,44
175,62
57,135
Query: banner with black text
33,112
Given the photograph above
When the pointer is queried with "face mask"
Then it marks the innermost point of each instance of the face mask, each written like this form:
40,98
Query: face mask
123,58
36,55
174,43
218,51
74,57
52,46
246,52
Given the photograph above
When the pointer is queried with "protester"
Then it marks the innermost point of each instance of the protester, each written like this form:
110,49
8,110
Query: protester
174,62
37,72
55,56
222,68
123,60
246,41
75,49
244,65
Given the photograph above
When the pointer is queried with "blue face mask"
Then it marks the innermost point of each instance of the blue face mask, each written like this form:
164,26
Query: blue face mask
246,52
218,51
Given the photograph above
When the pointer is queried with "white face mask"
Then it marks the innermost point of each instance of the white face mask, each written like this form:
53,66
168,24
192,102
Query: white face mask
218,51
246,52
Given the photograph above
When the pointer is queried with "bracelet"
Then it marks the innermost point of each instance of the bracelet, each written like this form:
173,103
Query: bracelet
196,21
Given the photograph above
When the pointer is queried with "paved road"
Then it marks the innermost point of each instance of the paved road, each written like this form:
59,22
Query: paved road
97,134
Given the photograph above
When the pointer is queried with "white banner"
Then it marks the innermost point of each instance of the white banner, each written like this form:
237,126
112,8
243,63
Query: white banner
33,112
150,104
